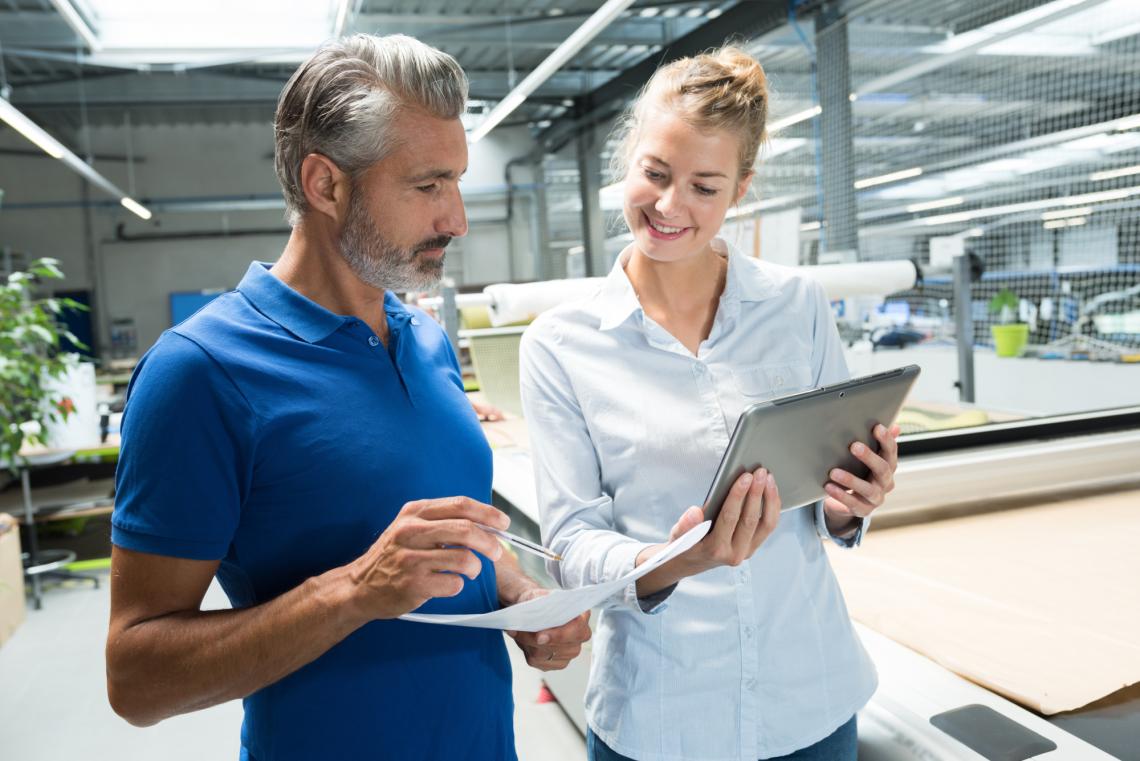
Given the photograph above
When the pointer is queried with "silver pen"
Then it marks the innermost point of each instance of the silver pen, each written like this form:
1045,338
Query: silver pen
523,544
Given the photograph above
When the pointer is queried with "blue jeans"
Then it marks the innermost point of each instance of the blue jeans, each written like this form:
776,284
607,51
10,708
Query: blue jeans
841,745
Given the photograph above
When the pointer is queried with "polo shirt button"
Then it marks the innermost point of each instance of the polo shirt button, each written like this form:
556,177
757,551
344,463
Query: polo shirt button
415,321
373,341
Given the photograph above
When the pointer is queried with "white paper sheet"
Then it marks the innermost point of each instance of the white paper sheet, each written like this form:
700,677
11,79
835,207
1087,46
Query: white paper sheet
560,605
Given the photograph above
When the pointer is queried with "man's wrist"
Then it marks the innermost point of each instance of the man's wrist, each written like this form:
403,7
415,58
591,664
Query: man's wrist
512,583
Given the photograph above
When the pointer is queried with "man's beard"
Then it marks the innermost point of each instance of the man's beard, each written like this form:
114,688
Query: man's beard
379,262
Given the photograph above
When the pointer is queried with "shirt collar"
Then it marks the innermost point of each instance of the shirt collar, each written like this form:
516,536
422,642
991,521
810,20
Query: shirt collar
302,317
742,283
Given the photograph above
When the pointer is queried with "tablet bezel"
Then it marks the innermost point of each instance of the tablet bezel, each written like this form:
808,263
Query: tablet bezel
810,432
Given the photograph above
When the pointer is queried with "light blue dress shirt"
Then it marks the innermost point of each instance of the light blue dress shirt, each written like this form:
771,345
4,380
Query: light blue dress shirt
627,429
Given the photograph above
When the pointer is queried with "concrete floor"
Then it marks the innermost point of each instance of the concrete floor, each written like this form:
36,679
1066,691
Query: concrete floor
53,703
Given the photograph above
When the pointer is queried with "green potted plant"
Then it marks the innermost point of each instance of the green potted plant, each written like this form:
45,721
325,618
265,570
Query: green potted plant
1010,336
30,358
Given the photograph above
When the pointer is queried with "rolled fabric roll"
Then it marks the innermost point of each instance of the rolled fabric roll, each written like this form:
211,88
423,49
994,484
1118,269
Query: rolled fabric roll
863,278
522,302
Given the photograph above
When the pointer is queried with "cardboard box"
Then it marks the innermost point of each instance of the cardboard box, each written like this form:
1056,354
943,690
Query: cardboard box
12,605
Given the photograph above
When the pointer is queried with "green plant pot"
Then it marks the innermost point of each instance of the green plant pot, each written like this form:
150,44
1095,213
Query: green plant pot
1010,340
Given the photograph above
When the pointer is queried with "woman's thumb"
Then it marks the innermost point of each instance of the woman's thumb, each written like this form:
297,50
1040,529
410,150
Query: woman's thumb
691,517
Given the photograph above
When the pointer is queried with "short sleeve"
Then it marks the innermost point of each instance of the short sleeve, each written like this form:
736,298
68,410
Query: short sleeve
186,458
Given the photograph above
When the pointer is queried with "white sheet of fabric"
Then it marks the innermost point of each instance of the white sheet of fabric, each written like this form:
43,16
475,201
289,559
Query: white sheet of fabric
561,605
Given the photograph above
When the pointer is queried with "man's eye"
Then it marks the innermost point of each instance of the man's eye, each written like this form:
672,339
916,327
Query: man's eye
428,188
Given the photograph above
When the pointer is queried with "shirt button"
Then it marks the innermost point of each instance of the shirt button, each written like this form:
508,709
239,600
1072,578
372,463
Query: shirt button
373,341
748,631
415,321
750,683
779,380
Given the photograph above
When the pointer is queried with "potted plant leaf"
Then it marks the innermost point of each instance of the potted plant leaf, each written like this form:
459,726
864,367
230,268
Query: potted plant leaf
30,358
1010,335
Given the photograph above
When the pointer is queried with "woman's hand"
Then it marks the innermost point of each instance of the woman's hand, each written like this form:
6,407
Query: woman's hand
851,498
747,517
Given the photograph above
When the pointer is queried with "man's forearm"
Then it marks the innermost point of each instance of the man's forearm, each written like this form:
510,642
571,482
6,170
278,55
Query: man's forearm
189,660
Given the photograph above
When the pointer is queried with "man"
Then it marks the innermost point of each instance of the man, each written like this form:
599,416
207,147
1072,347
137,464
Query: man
306,438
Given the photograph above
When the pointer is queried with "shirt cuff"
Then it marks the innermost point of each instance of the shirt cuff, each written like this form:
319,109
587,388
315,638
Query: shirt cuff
624,557
849,541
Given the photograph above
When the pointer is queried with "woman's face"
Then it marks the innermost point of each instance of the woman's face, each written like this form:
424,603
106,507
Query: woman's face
680,184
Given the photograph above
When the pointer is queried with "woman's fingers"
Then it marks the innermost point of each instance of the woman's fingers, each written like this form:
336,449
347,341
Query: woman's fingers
852,503
730,510
770,517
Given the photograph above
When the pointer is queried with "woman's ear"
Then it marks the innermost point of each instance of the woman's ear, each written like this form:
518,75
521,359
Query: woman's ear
742,186
326,188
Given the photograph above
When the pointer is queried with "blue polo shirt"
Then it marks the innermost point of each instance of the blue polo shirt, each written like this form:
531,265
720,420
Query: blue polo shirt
281,439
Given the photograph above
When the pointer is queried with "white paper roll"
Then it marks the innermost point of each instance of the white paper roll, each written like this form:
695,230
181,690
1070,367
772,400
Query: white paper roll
863,278
519,302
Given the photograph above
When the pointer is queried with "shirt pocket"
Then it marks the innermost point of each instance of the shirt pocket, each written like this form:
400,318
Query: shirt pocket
771,379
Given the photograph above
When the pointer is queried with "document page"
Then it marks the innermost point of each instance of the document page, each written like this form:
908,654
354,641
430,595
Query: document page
561,605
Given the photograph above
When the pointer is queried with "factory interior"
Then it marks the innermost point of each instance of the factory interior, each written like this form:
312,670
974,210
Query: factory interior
958,179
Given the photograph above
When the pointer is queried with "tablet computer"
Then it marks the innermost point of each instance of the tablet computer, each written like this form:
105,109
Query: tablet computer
799,438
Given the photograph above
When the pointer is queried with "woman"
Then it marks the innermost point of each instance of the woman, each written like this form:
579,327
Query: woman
631,397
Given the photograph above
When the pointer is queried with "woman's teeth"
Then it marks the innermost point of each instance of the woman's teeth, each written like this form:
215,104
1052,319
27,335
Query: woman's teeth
664,229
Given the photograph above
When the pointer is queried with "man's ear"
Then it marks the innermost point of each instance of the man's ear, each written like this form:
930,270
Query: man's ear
327,189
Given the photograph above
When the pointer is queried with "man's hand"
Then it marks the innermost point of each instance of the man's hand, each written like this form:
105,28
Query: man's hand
851,498
487,413
423,554
552,649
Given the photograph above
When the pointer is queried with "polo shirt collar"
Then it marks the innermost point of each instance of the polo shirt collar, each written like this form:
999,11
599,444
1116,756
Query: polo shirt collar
301,316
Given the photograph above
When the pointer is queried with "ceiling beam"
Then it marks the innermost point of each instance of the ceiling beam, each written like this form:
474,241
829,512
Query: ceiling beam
746,20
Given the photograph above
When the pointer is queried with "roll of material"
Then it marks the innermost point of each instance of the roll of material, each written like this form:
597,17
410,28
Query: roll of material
522,302
863,278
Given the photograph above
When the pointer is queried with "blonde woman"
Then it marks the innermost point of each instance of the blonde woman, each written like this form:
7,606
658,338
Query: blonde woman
742,647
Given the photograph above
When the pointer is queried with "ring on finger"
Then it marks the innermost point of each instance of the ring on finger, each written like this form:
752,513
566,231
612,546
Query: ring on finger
550,656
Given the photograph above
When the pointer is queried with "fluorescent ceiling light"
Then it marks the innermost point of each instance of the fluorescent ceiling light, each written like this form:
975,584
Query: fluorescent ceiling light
77,24
244,29
135,207
939,204
807,227
903,174
1082,211
29,129
341,17
1056,223
993,211
52,147
575,42
796,118
1111,174
755,206
1073,34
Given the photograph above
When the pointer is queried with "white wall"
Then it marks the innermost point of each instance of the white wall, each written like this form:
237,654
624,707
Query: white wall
133,278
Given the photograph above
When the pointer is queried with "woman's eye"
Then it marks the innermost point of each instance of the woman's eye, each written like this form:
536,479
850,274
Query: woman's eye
705,191
652,175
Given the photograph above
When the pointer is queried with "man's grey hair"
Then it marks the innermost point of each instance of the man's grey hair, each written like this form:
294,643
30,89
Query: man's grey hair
341,103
